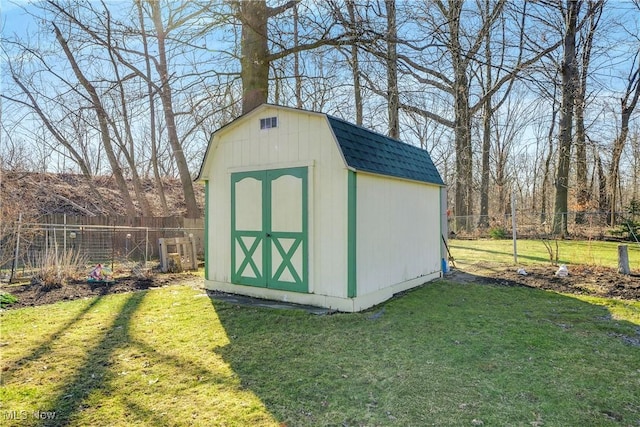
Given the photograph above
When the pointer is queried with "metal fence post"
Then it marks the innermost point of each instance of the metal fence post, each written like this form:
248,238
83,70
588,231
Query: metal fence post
146,247
14,267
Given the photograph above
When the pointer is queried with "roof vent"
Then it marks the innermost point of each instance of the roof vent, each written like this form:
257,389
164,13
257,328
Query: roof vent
268,123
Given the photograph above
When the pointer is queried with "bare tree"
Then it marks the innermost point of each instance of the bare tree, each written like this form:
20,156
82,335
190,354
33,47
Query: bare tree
488,107
152,111
393,101
354,63
125,139
628,103
256,56
165,92
103,121
569,75
587,35
460,46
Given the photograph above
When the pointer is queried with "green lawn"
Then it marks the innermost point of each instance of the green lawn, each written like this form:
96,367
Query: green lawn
534,252
444,354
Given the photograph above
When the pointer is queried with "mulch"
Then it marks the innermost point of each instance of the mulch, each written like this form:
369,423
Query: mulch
30,295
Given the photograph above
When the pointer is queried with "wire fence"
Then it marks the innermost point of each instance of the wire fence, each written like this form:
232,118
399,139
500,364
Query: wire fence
581,225
121,247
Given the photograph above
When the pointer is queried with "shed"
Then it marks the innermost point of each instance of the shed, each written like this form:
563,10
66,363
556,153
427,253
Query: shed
304,207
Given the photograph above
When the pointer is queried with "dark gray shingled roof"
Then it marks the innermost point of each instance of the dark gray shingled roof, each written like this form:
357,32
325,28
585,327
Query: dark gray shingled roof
369,151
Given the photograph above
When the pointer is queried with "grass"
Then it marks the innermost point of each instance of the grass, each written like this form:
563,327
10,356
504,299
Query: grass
534,252
444,354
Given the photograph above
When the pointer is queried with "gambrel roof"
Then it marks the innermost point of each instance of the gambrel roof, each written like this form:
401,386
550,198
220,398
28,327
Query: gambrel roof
369,151
365,150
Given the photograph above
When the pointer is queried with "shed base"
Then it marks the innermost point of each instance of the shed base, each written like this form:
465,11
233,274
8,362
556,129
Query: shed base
349,305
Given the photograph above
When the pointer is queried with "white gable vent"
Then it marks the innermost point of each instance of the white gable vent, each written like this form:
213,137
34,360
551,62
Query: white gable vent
268,123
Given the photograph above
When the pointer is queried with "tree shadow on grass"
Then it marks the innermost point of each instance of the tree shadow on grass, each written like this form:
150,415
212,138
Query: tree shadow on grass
92,374
45,346
446,353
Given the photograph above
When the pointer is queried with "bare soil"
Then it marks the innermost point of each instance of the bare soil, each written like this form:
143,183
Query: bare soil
582,280
30,295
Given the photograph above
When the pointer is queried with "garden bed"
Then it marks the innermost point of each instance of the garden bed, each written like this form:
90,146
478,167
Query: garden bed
582,280
29,295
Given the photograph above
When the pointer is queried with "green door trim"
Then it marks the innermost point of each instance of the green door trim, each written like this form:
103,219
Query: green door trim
206,229
352,204
271,276
238,235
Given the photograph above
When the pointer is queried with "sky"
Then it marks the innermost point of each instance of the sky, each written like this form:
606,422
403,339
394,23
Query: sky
611,67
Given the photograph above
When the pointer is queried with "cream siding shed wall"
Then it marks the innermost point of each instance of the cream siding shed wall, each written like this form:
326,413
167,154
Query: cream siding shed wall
300,139
398,231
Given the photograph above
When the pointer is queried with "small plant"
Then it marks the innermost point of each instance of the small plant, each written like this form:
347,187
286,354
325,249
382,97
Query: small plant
498,233
53,268
553,253
7,299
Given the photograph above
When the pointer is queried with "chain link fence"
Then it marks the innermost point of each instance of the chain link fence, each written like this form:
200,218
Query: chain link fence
120,247
534,225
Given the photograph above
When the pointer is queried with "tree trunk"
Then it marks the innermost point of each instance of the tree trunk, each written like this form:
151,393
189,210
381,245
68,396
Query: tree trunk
603,200
355,66
569,74
296,59
462,122
547,163
103,123
627,105
485,174
128,152
254,73
581,161
583,196
614,169
165,96
623,260
152,116
393,100
464,153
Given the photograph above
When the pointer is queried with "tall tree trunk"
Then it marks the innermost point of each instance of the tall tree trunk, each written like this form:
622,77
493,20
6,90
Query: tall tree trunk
296,59
128,152
614,168
544,202
103,123
569,83
627,105
165,96
464,152
603,199
485,175
463,201
393,100
355,66
581,162
152,115
634,142
254,62
583,193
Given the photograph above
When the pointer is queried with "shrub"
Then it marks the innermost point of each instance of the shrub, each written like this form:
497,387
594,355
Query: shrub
630,228
498,233
7,299
54,268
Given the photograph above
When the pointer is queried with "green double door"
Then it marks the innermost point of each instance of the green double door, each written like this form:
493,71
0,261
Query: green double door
269,229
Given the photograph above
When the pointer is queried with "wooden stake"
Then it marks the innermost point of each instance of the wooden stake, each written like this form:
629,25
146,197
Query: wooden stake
623,260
